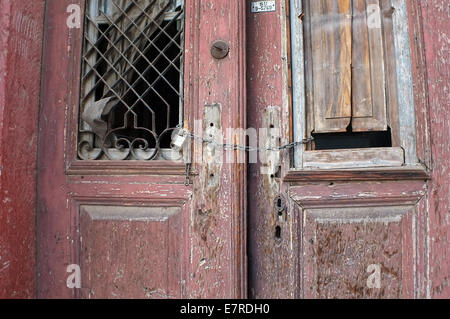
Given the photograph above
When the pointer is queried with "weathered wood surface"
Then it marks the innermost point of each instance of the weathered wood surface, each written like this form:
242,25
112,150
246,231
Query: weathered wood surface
148,238
350,195
436,29
381,65
277,264
368,68
391,94
349,227
198,252
354,158
331,36
273,268
20,65
360,194
346,45
366,174
343,247
361,56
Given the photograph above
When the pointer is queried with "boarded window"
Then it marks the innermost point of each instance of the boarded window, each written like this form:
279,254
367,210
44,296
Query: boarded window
348,51
132,78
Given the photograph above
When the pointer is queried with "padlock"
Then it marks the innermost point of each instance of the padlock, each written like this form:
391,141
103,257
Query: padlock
179,140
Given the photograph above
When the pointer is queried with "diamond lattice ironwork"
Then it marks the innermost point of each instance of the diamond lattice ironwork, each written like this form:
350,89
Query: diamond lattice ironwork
132,78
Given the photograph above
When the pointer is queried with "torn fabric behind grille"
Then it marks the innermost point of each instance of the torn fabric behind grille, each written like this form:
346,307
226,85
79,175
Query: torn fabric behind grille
133,26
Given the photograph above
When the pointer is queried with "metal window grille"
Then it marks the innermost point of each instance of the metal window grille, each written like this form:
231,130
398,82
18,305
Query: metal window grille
132,79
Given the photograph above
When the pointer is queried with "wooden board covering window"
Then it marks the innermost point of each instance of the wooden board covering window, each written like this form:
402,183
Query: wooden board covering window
348,65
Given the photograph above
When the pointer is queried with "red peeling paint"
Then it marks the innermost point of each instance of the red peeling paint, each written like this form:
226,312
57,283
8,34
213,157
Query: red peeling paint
20,63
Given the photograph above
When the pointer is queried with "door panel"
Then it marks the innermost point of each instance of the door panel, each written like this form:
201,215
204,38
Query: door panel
341,229
115,239
351,229
135,229
345,247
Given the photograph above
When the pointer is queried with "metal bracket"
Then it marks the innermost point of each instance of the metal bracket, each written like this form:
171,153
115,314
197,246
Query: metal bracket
271,160
212,154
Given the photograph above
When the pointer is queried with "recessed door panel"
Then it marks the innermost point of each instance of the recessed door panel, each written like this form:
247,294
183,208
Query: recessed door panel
362,252
131,252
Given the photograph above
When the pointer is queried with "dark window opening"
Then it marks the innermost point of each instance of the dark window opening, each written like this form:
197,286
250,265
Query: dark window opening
352,140
163,97
132,81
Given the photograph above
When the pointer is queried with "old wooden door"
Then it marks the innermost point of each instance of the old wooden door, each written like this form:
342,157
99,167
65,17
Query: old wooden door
116,207
344,216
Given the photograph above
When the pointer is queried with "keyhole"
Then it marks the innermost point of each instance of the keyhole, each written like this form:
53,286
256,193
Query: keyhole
278,233
280,205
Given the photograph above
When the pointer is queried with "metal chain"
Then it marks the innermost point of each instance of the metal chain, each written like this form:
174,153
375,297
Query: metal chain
237,147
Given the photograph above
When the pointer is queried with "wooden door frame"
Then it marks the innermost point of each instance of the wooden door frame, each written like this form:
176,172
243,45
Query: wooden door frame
214,248
21,35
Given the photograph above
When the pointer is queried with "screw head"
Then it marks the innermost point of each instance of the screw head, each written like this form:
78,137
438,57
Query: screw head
220,49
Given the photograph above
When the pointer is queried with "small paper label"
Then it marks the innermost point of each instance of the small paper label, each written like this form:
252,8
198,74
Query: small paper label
263,6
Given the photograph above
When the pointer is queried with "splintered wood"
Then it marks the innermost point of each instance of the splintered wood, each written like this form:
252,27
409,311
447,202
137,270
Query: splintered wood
348,65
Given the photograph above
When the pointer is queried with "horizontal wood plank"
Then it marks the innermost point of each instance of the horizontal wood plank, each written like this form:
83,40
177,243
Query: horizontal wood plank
354,158
150,168
366,174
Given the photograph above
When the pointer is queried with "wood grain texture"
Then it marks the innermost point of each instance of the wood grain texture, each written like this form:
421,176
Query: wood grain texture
218,242
405,83
131,252
273,270
354,158
436,28
362,103
380,174
348,227
342,244
368,74
392,102
345,42
381,62
155,168
210,240
340,194
331,36
328,190
21,35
